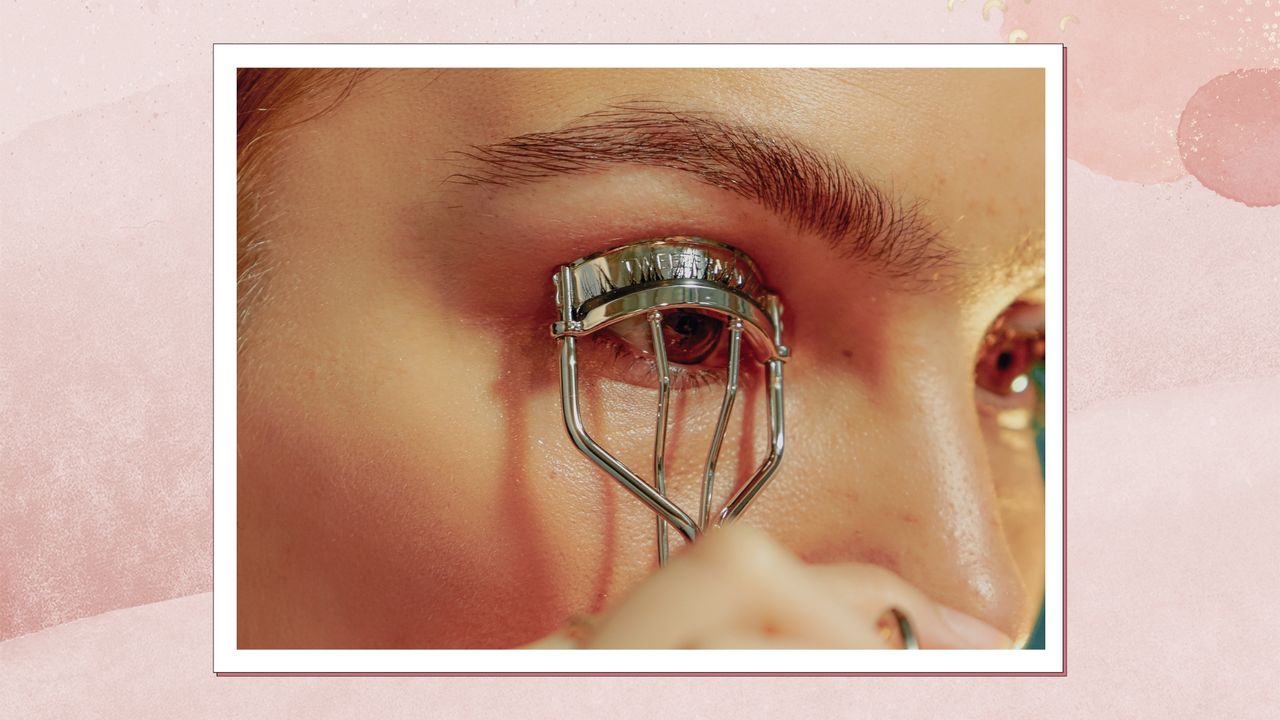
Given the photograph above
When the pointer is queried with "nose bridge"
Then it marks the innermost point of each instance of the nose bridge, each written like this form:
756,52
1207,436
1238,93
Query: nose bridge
902,473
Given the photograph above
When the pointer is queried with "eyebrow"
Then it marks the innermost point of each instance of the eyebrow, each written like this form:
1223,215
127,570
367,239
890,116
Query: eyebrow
859,220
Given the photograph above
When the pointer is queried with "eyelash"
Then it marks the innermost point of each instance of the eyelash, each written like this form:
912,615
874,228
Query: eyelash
638,366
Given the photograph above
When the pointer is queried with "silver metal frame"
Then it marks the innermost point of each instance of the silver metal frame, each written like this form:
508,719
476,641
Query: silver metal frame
641,279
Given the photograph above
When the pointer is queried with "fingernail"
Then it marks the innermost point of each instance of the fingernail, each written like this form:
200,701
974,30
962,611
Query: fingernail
972,631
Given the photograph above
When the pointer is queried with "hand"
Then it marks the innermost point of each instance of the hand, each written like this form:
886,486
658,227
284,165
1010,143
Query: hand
738,588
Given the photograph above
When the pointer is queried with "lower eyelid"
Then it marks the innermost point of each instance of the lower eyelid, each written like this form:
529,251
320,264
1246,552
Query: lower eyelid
1026,398
636,368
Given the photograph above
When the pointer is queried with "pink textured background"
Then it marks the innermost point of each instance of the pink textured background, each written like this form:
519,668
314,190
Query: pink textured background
105,360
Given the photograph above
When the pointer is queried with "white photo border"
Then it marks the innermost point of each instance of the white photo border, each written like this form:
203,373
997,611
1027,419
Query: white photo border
229,659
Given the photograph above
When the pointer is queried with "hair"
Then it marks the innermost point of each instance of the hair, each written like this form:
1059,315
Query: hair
269,103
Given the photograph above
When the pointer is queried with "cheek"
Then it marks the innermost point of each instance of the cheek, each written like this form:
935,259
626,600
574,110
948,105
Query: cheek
384,493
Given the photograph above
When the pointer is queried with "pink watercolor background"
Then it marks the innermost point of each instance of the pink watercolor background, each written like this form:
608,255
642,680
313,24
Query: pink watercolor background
105,359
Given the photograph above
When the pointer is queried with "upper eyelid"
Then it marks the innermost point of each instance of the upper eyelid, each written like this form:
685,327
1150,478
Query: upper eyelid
1025,315
1038,294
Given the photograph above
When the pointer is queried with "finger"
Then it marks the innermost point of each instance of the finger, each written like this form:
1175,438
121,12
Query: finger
782,595
733,580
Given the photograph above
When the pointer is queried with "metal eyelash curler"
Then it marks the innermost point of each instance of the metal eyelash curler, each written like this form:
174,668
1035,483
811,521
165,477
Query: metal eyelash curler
641,280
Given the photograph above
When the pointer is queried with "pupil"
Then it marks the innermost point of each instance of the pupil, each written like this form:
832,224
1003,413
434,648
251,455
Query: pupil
689,324
691,336
1004,363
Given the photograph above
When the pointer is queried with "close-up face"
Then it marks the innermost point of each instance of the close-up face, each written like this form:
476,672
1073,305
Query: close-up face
405,478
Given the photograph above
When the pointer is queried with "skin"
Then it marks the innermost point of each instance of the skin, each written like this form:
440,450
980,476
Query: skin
405,479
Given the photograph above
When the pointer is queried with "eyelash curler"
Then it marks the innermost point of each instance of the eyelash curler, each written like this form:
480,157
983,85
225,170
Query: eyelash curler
641,280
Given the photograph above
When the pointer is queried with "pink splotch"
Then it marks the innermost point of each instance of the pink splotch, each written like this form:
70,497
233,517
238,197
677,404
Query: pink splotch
105,359
1132,66
1167,286
1229,136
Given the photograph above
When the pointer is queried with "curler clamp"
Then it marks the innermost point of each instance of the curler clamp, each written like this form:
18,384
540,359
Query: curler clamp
641,280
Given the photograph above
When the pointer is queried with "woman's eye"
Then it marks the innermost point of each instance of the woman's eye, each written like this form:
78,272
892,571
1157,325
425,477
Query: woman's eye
691,337
1007,359
1012,349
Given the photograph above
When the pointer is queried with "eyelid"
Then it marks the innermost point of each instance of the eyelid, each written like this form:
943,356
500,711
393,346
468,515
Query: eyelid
638,367
635,332
1036,295
1023,316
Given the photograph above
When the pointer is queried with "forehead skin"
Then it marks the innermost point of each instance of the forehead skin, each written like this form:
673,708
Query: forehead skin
399,418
